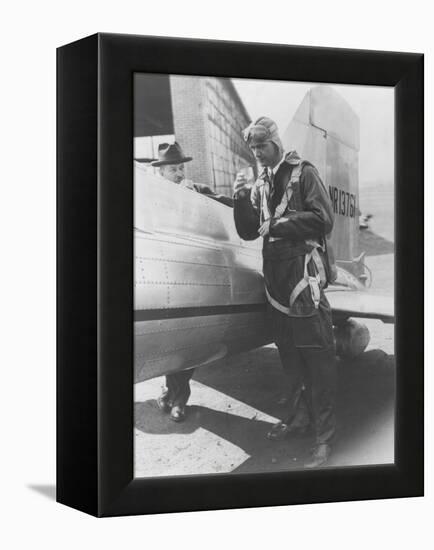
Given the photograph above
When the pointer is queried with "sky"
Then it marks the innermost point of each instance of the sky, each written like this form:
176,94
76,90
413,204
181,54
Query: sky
373,104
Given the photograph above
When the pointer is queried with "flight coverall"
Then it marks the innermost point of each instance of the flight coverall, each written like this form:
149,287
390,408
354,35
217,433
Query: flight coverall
178,384
304,333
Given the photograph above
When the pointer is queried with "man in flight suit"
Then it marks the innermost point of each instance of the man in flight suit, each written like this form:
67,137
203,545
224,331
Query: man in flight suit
171,166
289,207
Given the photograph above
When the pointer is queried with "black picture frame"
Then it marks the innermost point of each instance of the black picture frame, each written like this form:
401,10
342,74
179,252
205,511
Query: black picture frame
95,273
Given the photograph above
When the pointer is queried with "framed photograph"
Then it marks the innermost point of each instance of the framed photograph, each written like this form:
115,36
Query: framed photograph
237,322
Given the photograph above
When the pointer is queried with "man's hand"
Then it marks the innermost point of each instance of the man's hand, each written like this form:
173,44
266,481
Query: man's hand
240,184
264,230
188,184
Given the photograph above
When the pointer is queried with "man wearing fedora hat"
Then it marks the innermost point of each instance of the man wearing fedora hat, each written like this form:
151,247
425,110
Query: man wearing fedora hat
289,207
171,161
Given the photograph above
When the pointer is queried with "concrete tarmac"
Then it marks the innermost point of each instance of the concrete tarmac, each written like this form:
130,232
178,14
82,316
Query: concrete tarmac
235,401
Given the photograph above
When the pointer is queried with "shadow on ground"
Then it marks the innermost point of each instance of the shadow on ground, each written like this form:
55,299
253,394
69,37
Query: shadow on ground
48,491
365,404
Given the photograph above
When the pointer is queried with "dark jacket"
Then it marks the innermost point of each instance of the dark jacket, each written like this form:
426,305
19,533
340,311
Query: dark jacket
205,190
308,216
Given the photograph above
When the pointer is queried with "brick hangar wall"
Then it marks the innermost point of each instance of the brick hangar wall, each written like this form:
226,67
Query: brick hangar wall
208,118
189,121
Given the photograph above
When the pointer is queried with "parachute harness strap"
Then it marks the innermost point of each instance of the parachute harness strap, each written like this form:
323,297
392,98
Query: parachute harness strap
307,281
282,206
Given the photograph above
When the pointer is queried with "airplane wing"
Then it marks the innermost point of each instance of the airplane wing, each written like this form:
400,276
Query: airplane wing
346,302
348,297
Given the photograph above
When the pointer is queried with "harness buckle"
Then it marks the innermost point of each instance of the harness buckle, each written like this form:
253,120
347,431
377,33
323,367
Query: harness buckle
315,291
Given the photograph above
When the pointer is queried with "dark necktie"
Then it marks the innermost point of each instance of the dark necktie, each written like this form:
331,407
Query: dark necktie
267,176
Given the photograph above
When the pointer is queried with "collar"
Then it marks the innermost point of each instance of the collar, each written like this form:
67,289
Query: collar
274,170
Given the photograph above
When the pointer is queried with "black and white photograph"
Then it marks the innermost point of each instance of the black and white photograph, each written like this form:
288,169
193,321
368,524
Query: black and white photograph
264,239
216,288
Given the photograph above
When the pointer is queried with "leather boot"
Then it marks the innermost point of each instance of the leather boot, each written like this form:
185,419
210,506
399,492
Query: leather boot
319,456
177,413
163,403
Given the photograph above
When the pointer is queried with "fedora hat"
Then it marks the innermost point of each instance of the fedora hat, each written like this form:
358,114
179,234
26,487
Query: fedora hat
170,154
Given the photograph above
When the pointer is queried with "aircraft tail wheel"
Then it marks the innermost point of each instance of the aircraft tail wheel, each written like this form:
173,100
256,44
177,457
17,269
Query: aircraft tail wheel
352,338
